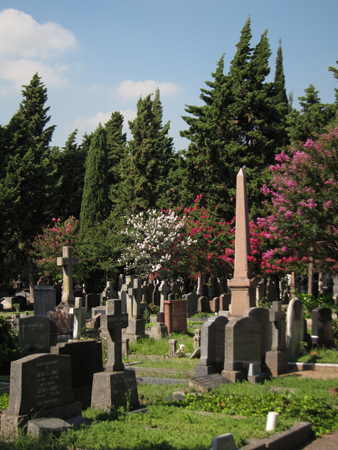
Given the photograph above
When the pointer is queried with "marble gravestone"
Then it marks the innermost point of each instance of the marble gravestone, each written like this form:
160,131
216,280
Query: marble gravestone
40,386
295,328
113,386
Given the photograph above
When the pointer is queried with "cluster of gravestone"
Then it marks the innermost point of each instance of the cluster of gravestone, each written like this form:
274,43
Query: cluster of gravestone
259,344
50,384
49,389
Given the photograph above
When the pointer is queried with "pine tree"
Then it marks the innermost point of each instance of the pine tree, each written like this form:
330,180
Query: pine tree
95,204
238,125
204,168
311,120
148,160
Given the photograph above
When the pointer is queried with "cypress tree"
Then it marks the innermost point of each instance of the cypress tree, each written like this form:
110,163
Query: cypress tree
95,204
116,148
27,186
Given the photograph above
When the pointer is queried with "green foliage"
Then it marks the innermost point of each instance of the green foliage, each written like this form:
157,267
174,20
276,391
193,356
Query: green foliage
26,176
149,160
4,400
311,120
241,123
300,407
70,172
9,348
95,201
310,302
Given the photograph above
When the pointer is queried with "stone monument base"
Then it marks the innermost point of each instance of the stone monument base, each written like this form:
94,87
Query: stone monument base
277,362
203,371
135,329
11,423
114,389
233,375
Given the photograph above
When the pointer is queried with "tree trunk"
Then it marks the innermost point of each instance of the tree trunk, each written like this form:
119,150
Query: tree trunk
310,278
31,278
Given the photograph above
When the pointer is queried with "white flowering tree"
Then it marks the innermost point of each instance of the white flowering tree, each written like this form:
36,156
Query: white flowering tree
155,243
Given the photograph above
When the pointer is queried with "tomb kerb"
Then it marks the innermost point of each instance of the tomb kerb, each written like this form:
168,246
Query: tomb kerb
242,285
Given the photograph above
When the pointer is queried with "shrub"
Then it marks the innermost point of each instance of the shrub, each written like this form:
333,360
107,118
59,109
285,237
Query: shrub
9,348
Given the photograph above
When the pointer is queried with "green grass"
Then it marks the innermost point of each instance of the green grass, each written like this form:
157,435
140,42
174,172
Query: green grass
160,347
320,355
161,428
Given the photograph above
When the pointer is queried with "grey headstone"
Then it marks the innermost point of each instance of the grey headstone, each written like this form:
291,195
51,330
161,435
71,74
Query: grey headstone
33,334
242,343
322,326
203,304
212,346
86,359
92,301
263,317
192,303
40,382
158,331
44,300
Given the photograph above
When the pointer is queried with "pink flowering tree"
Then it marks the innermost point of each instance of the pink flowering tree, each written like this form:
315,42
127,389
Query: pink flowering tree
47,246
302,210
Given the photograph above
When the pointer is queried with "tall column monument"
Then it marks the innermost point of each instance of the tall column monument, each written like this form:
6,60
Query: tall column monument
242,285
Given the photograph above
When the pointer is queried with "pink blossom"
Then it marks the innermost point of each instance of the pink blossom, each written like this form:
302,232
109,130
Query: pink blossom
288,215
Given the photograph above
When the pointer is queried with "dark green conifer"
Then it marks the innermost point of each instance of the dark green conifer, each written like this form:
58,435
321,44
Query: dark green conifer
95,204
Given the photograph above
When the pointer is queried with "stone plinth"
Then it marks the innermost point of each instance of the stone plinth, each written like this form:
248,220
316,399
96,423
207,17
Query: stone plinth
175,315
113,388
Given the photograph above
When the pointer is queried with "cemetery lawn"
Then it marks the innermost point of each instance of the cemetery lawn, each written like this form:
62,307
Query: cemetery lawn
240,409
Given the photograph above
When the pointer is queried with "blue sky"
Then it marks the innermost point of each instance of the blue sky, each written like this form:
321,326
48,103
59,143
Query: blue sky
99,57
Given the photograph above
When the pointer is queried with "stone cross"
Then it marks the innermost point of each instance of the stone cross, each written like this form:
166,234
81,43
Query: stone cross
112,322
134,298
243,288
67,262
77,311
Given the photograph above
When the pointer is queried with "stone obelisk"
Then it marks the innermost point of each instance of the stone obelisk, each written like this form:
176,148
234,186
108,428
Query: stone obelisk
242,285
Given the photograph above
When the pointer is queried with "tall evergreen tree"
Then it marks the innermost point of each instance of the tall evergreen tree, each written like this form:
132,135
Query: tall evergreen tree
148,161
334,70
95,204
281,95
26,190
311,120
238,125
117,148
70,163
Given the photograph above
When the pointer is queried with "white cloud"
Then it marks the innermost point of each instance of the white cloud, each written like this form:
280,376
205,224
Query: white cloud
130,89
27,47
89,124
